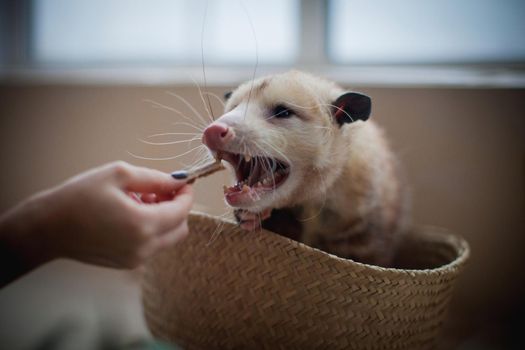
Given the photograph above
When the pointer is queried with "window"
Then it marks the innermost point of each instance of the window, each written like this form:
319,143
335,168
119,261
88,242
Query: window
436,42
430,31
164,31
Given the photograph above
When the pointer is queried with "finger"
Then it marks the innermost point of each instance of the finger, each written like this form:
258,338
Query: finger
135,197
169,238
170,214
165,240
144,180
162,197
149,198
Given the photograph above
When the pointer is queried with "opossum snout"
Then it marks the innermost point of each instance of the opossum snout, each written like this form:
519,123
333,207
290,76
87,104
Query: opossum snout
217,135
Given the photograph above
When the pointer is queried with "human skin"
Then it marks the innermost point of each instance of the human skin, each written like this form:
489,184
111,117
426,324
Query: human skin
116,215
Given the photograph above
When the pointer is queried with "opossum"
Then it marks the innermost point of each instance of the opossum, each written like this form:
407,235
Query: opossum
310,165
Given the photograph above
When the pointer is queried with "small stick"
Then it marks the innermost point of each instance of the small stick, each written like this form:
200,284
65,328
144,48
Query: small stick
191,176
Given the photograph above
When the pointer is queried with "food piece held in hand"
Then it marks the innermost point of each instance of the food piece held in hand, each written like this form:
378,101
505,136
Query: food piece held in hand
191,175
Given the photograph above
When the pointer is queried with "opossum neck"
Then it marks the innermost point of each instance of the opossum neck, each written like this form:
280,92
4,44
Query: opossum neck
347,189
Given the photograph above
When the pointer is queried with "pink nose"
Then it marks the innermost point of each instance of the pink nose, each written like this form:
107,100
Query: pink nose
217,135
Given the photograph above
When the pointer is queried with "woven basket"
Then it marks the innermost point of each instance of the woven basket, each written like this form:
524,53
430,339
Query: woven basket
261,290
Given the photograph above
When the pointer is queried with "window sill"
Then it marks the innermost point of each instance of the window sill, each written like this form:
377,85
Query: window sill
381,76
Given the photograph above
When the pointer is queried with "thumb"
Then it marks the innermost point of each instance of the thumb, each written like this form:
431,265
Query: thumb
144,180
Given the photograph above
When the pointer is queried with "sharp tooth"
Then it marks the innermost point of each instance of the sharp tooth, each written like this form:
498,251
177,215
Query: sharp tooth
258,184
225,188
265,181
247,157
245,189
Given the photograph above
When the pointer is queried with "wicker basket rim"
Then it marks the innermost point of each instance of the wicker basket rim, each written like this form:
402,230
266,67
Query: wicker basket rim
458,243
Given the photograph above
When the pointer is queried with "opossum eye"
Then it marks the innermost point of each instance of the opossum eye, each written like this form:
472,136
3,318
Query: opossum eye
281,111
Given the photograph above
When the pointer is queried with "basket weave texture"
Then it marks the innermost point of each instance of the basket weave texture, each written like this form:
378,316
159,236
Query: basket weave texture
260,290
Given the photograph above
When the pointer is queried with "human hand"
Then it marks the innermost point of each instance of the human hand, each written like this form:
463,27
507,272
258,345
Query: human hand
115,215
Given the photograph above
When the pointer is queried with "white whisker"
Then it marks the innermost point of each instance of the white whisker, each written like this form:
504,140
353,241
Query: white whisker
170,142
172,133
216,97
171,109
201,95
256,56
189,125
202,57
164,158
187,104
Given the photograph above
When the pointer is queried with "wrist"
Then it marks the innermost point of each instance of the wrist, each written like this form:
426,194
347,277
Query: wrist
24,238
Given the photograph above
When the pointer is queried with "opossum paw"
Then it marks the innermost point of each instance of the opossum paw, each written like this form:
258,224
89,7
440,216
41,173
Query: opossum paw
251,221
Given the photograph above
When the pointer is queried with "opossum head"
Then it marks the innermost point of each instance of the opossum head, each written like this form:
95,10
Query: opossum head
286,137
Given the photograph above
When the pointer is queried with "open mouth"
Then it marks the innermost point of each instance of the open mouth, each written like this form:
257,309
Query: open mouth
255,175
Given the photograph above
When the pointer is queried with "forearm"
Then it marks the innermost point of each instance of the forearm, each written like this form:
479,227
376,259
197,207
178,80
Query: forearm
22,245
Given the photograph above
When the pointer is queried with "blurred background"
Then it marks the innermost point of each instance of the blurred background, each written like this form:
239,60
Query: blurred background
85,82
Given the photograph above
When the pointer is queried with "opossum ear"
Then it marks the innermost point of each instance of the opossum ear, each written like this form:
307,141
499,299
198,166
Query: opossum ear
227,95
352,106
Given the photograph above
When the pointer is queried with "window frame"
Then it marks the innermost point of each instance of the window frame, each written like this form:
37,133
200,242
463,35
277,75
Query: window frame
18,64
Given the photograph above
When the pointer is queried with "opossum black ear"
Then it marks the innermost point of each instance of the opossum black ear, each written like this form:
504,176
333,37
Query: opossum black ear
352,106
227,95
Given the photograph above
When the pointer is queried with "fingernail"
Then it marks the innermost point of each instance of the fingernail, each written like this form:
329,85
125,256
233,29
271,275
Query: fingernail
179,175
